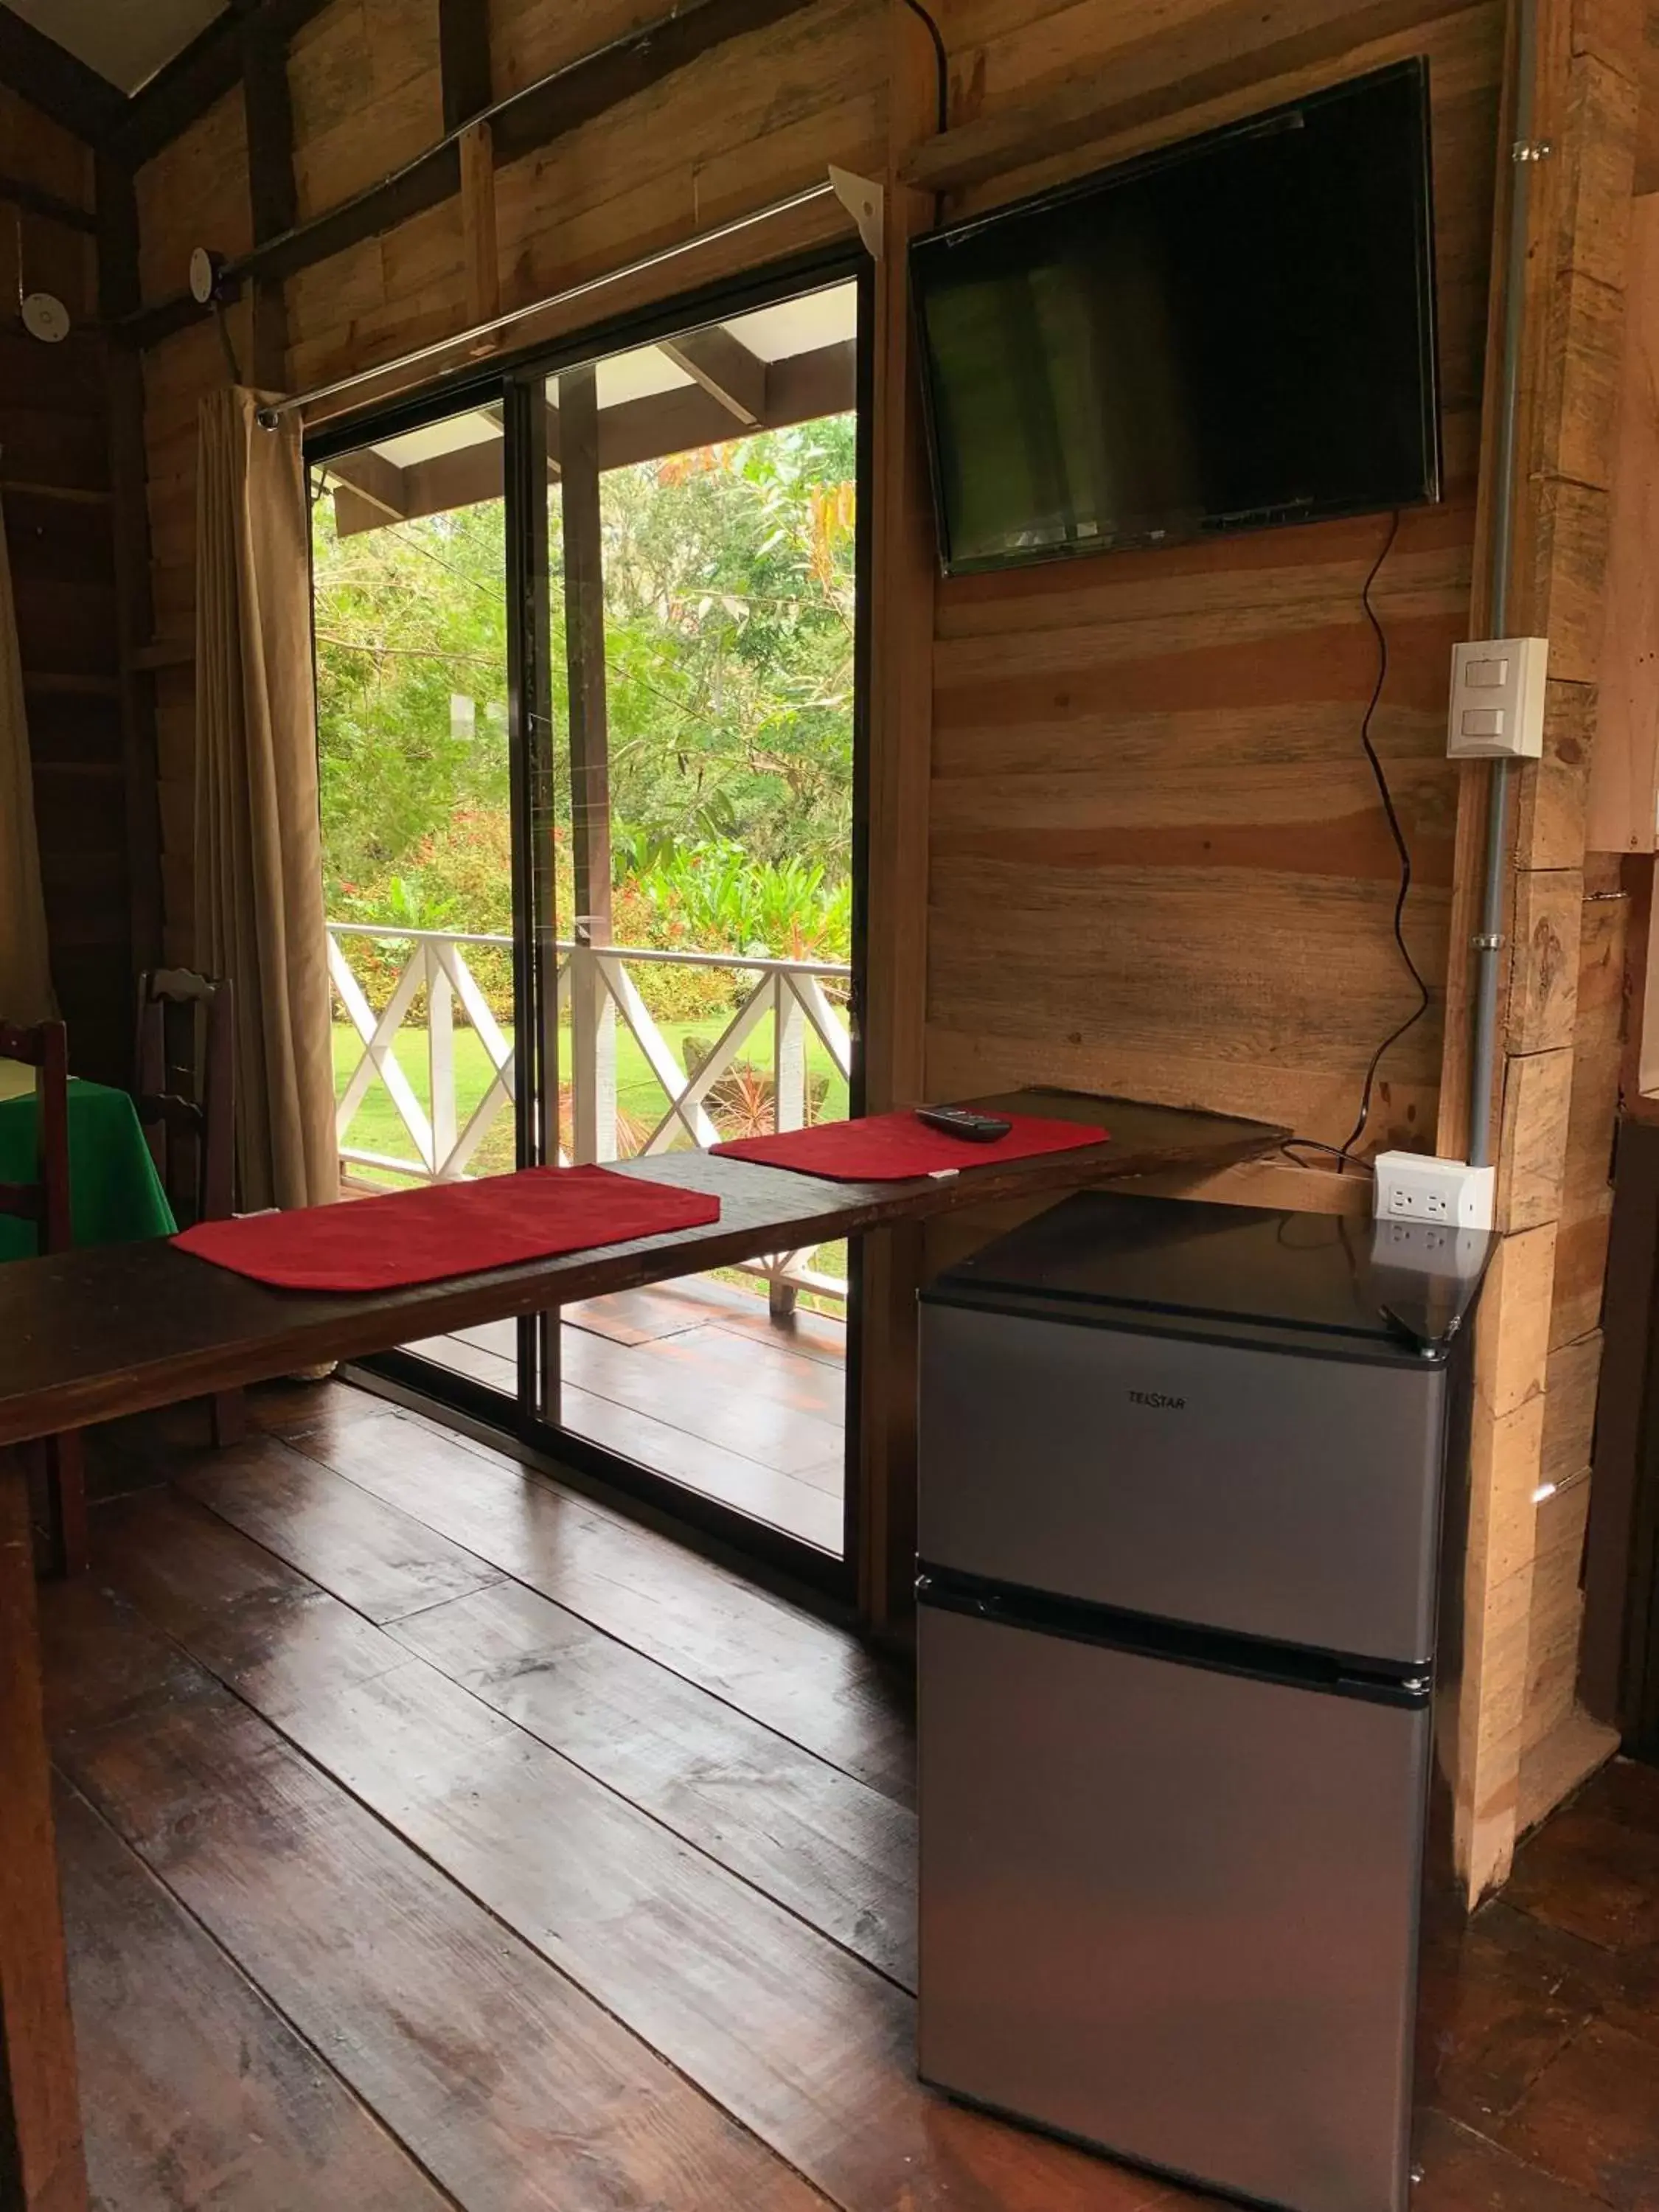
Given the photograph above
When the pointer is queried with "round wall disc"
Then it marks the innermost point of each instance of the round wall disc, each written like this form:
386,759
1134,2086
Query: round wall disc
45,318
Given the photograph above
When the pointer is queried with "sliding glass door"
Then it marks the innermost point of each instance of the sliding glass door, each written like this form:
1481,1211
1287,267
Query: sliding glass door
588,686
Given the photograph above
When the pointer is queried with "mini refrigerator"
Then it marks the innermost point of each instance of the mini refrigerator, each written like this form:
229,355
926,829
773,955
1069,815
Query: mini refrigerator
1181,1479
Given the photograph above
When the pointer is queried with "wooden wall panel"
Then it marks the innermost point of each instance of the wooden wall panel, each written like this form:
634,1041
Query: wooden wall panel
748,123
55,258
54,490
358,60
1158,860
380,299
528,39
195,194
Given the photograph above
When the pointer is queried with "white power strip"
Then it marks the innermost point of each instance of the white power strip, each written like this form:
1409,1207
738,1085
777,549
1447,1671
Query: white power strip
1416,1187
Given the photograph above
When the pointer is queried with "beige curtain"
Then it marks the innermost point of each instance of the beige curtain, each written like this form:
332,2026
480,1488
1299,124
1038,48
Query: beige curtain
25,975
258,847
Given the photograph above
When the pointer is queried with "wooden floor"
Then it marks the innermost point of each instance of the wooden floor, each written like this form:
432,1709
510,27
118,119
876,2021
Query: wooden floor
435,1837
697,1380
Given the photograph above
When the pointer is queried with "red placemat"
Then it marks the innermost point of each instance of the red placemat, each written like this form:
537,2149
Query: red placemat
448,1228
894,1147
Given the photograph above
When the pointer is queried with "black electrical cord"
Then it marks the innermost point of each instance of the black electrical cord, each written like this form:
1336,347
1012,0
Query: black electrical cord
941,62
1291,1145
1401,847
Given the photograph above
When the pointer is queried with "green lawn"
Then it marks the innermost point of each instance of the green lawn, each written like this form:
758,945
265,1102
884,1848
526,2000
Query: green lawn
377,1128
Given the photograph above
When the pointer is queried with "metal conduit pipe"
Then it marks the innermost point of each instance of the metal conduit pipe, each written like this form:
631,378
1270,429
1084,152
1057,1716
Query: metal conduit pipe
1487,943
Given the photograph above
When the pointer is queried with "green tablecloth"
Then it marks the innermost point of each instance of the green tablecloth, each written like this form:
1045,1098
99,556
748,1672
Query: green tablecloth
116,1194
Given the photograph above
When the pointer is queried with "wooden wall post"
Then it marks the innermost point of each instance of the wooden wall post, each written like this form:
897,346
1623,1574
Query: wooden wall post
592,1015
1587,98
271,190
900,758
41,2165
483,273
117,294
464,68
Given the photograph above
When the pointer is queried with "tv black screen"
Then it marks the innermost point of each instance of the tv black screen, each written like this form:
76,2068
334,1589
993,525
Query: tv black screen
1234,332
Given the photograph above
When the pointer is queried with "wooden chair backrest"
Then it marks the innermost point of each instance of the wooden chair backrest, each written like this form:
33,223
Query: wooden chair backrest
184,1088
44,1046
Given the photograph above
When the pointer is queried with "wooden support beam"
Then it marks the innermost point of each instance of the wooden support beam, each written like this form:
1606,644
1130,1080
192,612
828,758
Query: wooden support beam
51,78
272,190
543,112
1587,97
800,390
726,369
584,629
592,1014
17,192
464,59
900,619
118,290
1235,47
483,273
42,2167
371,491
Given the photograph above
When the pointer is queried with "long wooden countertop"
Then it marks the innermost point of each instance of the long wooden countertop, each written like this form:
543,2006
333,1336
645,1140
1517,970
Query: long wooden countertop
87,1335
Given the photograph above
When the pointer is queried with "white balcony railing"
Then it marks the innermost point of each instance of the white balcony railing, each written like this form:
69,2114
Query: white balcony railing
596,991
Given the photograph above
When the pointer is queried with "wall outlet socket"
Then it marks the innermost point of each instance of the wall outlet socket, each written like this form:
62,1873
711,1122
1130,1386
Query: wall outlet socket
1417,1186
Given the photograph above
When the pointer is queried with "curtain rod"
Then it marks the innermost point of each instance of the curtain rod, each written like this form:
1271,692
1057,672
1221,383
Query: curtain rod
271,416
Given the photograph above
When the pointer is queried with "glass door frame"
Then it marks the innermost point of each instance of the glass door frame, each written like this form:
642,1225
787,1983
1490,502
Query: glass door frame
516,384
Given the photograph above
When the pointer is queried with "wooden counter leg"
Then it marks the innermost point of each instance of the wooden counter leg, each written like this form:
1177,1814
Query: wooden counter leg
42,2168
891,1264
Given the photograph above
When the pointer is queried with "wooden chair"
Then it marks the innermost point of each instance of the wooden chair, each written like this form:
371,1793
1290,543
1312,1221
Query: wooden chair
45,1202
185,1089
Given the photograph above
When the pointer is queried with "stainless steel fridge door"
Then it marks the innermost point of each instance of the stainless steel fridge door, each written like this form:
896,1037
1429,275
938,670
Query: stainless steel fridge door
1276,1495
1172,1912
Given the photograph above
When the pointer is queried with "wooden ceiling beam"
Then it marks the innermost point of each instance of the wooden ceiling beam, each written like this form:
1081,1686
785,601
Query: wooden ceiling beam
51,78
725,369
800,390
377,484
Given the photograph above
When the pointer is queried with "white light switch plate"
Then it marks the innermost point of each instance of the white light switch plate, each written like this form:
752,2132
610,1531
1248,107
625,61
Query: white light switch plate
1498,699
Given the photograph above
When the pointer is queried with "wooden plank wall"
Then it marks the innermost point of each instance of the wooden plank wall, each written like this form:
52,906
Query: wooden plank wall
55,488
196,193
1158,864
1557,1742
1154,859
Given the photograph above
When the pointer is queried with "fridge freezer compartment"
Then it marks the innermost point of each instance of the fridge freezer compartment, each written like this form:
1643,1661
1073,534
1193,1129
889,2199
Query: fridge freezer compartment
1237,1487
1170,1912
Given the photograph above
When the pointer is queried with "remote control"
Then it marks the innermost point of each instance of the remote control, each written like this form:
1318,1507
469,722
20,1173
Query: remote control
961,1121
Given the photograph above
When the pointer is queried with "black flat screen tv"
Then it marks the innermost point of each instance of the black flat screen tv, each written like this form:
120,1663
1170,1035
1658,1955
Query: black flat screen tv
1234,332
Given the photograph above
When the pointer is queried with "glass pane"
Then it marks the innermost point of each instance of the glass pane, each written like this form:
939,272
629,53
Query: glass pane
706,545
410,613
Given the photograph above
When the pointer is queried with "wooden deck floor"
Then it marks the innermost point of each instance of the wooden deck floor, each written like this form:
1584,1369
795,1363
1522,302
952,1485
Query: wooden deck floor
435,1837
696,1380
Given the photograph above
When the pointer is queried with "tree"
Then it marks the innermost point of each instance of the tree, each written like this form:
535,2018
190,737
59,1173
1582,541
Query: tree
729,602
